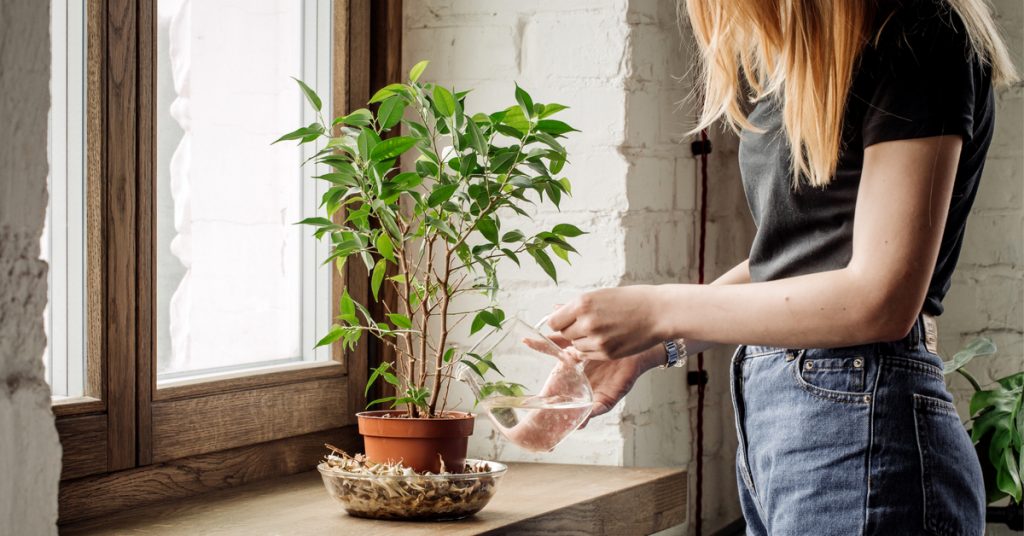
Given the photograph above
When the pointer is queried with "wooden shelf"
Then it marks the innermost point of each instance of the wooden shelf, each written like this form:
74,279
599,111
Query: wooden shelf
532,498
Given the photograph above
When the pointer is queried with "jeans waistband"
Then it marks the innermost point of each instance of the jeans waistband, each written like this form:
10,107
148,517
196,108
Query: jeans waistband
924,332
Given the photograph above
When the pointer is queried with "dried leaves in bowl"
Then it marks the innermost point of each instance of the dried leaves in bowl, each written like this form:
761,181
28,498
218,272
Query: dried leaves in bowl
391,491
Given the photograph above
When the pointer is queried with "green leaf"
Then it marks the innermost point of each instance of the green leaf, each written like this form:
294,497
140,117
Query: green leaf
489,228
552,109
511,254
378,277
387,91
1008,476
561,252
978,347
385,246
472,366
476,137
512,236
391,148
417,70
448,354
568,230
333,335
441,193
514,118
367,140
405,181
492,318
316,221
391,112
399,320
554,127
477,324
307,133
359,118
381,369
379,400
544,261
346,305
525,101
444,101
311,95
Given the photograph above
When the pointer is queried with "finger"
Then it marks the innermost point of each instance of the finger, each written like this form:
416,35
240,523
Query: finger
599,408
575,331
560,340
594,356
586,344
542,346
563,317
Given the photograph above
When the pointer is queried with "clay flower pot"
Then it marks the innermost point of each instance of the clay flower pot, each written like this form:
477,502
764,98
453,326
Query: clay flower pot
390,437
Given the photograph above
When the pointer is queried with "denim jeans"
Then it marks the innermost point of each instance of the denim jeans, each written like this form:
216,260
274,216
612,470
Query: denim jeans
858,440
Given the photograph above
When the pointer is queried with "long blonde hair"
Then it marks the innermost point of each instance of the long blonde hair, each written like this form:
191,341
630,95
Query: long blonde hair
804,53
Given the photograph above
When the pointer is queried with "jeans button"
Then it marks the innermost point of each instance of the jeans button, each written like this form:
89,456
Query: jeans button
867,399
808,365
858,363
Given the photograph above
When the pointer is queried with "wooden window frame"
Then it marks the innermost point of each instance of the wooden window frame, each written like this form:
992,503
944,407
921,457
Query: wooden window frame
127,443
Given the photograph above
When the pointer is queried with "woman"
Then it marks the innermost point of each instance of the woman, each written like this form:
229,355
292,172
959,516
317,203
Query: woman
860,160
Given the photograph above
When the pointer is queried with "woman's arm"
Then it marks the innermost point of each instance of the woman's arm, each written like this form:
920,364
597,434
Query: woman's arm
737,275
902,203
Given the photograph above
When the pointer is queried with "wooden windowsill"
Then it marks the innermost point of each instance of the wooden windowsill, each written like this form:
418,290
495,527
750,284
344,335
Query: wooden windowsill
532,498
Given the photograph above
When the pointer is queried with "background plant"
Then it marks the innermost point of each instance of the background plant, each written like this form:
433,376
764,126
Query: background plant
433,231
996,424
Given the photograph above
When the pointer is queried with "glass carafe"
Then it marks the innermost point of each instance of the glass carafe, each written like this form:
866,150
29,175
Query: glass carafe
534,392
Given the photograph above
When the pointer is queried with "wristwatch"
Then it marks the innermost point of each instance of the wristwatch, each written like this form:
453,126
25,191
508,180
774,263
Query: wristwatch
675,353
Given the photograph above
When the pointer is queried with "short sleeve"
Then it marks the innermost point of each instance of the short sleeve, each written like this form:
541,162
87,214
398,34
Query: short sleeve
923,83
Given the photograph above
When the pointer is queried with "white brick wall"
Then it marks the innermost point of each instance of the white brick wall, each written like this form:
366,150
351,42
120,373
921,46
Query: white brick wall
29,448
987,297
633,182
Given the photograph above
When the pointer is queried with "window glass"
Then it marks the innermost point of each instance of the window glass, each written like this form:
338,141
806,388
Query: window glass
63,242
237,282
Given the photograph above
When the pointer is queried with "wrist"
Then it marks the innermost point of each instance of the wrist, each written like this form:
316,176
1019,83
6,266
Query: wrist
668,307
653,357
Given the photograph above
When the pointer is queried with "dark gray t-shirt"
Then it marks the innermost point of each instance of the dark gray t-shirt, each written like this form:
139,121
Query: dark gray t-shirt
919,79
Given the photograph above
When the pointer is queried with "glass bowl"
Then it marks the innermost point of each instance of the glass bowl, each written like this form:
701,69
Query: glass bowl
413,496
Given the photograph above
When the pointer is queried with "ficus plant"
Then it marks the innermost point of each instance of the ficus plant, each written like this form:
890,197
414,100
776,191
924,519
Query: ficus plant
417,190
996,424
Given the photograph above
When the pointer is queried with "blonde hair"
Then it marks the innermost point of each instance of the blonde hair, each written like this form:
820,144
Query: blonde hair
804,52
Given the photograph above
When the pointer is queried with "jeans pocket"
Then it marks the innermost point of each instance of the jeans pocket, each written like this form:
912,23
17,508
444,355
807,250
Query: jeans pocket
840,378
950,472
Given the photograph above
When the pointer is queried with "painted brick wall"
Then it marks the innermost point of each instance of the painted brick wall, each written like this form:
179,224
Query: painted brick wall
621,66
29,449
987,297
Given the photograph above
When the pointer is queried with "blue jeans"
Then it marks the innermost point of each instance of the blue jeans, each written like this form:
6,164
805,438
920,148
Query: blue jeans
858,440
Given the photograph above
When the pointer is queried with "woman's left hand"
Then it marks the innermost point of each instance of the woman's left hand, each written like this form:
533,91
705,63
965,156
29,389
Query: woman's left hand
611,323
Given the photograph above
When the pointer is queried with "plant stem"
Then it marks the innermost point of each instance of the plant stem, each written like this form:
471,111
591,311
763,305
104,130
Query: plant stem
435,390
974,383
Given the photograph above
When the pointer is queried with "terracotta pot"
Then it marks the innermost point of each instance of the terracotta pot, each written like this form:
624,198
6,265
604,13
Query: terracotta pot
416,443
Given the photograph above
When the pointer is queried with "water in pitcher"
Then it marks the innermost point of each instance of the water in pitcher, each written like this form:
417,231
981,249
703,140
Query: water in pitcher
537,423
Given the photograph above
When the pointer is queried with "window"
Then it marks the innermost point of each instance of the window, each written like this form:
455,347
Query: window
64,237
186,302
238,284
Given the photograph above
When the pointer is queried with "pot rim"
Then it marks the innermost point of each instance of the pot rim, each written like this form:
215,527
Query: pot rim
378,414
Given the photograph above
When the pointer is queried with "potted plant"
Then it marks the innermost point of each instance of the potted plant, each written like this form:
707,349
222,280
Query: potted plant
417,190
996,425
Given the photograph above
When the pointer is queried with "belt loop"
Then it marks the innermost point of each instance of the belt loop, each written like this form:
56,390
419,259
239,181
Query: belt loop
930,333
916,333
